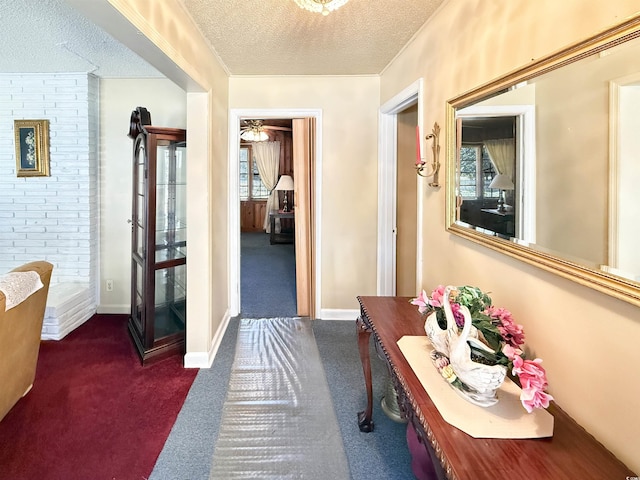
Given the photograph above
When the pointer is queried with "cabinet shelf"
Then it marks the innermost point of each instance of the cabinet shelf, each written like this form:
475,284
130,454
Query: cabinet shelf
168,254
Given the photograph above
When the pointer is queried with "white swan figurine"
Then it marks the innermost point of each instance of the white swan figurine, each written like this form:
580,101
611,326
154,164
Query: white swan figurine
438,337
484,379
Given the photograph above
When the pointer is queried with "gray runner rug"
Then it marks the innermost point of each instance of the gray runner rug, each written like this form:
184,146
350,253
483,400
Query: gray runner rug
278,420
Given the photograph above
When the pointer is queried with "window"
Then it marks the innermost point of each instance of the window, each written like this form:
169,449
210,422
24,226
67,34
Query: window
476,172
251,186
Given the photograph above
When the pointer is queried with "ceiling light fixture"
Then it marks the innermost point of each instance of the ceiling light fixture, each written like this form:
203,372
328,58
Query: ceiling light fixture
321,6
254,131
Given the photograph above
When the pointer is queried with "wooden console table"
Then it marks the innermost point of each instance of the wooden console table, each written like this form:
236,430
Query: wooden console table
570,454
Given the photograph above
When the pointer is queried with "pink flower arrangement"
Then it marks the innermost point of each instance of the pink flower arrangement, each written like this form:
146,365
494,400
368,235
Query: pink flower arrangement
500,332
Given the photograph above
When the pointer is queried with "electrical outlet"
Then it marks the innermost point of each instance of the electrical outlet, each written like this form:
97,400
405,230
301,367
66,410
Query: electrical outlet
109,285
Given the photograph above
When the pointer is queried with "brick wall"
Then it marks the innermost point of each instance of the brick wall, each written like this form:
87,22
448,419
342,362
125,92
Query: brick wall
53,218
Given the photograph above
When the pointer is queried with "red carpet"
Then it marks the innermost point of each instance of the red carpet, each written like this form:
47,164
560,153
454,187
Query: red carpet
94,412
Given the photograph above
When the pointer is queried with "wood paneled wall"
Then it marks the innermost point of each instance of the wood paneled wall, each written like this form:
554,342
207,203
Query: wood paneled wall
252,213
286,158
286,151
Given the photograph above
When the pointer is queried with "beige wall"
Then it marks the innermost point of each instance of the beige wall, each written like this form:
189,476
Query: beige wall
586,339
171,29
349,171
118,98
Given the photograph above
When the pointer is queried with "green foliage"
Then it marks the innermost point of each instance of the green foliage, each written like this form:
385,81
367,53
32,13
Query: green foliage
490,331
473,298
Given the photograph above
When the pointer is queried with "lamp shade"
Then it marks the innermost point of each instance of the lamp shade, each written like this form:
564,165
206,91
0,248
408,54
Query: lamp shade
285,183
501,181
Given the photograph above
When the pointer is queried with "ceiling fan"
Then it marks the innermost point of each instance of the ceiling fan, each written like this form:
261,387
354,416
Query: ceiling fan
254,130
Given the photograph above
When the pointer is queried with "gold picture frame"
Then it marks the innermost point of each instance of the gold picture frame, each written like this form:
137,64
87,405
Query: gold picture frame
32,147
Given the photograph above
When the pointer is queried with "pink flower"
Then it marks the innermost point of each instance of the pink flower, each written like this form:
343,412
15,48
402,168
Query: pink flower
441,362
511,352
511,332
422,301
529,368
533,379
436,297
455,308
534,398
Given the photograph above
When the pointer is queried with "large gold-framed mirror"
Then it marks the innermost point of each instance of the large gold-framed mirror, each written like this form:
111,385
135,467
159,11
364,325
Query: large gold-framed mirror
543,164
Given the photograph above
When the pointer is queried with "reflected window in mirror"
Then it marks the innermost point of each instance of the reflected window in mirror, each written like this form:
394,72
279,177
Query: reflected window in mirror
487,167
476,172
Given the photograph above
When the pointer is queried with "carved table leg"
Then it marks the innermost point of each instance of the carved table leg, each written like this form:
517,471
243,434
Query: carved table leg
365,422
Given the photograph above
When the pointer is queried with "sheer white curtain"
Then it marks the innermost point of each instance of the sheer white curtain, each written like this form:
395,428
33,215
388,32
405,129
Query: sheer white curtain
502,153
267,157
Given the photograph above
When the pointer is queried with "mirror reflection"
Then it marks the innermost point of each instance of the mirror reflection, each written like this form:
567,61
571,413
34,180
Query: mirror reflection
550,161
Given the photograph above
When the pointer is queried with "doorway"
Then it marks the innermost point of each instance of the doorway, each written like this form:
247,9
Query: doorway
307,218
267,253
406,203
400,216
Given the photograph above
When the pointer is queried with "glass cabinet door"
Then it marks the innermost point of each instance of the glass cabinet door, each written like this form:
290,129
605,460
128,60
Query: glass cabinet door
138,233
171,243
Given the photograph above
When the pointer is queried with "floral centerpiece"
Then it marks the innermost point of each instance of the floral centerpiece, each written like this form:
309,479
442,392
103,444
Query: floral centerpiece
475,343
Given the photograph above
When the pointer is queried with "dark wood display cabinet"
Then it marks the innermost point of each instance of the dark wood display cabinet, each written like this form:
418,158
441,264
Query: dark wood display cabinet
159,247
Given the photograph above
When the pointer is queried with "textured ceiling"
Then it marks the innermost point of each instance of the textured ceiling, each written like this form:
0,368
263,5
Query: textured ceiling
48,36
251,37
276,37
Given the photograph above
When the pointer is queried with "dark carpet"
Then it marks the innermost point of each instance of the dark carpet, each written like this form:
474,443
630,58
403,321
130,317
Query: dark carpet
94,412
268,277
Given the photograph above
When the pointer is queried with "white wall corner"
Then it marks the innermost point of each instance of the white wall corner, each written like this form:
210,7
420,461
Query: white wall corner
205,359
196,360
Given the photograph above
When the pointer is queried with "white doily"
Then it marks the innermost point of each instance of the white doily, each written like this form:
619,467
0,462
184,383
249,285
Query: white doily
17,286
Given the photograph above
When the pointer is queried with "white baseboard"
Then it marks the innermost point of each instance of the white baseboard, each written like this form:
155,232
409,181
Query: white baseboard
339,314
205,359
196,360
114,309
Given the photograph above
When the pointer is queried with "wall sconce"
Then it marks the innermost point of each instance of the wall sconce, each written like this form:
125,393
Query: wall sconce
434,167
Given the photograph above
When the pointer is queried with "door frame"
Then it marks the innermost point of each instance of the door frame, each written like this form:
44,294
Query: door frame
235,116
387,187
618,87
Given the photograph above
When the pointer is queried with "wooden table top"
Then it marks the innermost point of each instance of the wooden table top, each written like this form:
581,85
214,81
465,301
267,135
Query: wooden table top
572,453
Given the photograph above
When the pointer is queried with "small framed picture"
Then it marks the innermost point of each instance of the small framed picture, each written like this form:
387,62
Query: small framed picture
32,148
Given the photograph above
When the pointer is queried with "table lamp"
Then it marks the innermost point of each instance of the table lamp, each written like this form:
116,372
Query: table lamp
285,184
503,182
